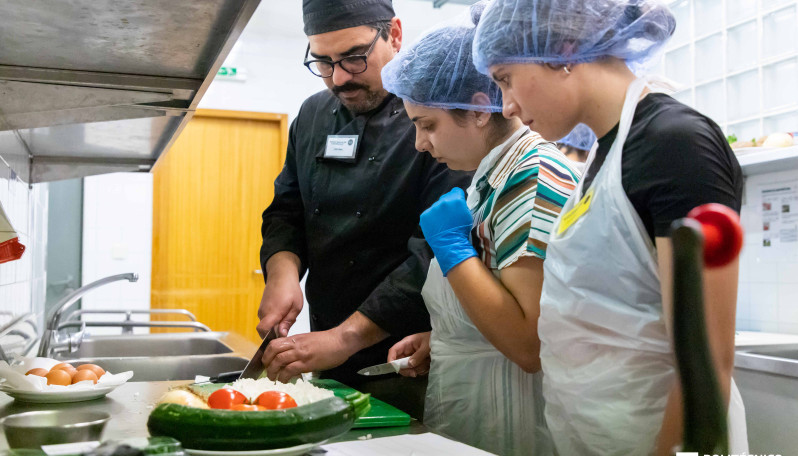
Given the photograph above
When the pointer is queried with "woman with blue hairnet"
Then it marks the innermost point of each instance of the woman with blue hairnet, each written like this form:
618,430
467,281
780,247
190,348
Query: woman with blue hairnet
483,297
610,382
577,144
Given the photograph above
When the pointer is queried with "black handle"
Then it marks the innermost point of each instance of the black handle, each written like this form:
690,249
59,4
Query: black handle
226,377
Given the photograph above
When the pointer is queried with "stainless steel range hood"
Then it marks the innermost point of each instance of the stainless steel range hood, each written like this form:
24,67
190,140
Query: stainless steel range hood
96,86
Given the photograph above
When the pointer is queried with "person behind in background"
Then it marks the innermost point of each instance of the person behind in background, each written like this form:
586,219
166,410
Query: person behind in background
346,209
610,382
483,286
577,144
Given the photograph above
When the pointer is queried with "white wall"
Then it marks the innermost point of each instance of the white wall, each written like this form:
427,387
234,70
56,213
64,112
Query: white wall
23,282
739,62
117,238
271,49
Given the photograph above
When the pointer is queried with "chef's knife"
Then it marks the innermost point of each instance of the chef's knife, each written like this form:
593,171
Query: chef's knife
255,366
386,368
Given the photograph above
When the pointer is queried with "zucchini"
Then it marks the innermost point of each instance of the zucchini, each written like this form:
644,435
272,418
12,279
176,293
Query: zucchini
228,430
704,410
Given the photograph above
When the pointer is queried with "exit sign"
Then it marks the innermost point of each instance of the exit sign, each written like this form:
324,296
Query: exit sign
231,74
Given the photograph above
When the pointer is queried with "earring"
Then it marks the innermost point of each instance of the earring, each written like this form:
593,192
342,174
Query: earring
567,69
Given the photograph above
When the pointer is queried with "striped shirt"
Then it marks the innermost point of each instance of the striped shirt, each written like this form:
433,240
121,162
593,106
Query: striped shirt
519,200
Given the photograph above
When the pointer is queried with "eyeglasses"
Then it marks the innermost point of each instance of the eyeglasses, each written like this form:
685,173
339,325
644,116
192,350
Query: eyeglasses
352,64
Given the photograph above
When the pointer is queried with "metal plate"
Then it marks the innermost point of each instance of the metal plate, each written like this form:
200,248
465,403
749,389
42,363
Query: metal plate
298,450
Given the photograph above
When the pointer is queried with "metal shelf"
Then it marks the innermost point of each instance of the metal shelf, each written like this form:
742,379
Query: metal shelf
99,86
761,161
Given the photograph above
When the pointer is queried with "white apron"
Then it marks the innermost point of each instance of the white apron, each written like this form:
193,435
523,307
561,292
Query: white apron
475,394
604,347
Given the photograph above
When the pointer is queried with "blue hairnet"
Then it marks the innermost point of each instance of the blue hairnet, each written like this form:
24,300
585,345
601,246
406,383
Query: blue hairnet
437,70
581,137
571,31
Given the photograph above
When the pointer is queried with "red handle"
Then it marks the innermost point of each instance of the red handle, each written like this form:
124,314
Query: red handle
11,250
723,234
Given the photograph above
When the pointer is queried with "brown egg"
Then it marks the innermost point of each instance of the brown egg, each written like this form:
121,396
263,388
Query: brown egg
66,367
38,371
94,368
58,377
85,374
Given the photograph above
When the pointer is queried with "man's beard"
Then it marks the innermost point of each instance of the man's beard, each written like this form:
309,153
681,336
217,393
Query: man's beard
366,103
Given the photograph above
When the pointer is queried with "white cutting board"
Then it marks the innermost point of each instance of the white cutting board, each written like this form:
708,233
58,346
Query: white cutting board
403,445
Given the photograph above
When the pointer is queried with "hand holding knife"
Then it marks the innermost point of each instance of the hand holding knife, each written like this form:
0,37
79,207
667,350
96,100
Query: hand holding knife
386,368
255,366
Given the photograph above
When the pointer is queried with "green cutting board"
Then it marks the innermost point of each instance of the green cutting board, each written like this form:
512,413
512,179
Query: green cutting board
380,415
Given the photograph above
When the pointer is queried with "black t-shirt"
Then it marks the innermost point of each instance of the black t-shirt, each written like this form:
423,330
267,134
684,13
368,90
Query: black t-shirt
674,159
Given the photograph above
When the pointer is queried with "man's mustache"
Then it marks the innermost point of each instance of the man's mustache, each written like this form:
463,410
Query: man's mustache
348,87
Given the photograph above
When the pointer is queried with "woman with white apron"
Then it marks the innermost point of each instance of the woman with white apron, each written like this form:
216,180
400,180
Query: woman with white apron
484,382
609,371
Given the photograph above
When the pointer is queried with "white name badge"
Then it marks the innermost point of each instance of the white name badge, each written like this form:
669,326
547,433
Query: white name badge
341,146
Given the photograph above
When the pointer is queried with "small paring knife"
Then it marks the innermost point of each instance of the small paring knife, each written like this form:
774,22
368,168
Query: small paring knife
386,368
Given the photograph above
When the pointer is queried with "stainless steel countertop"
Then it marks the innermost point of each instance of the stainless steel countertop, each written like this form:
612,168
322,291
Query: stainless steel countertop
131,403
773,359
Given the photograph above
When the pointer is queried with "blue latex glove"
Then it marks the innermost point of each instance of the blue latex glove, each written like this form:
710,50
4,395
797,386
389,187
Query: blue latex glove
447,227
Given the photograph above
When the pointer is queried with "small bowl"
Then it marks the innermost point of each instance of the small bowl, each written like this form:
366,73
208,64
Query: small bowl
34,429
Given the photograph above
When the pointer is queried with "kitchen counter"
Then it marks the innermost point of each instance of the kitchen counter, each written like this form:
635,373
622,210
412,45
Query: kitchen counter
750,338
130,406
766,373
767,352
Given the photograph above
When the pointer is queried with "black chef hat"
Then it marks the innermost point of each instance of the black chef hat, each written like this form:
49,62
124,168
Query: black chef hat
322,16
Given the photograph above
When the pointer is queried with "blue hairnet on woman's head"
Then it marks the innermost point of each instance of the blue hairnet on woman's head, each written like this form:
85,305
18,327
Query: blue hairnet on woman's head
571,31
581,137
437,70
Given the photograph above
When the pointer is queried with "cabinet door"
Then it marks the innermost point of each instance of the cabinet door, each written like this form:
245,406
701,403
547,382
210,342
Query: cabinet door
210,190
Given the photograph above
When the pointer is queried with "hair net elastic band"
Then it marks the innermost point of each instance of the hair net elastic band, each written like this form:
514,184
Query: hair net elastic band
465,106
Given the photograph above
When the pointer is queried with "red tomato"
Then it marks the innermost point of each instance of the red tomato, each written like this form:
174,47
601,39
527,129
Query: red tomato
275,400
225,398
248,407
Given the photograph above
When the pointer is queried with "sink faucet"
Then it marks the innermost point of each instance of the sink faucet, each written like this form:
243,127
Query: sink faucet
51,329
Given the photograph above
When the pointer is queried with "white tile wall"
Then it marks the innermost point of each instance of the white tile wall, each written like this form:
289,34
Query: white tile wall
117,238
715,41
22,282
768,292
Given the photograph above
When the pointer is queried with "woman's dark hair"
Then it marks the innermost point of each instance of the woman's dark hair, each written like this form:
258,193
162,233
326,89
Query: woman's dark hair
499,126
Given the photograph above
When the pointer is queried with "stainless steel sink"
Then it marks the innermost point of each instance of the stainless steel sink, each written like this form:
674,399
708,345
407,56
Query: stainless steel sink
160,357
169,367
174,344
776,359
782,351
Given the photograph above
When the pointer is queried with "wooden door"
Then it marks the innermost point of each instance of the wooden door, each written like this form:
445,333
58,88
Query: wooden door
210,190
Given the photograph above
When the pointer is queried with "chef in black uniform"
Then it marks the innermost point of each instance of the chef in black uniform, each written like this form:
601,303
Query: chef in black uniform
346,209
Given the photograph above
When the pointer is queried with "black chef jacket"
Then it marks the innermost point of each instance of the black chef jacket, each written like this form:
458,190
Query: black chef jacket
354,224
